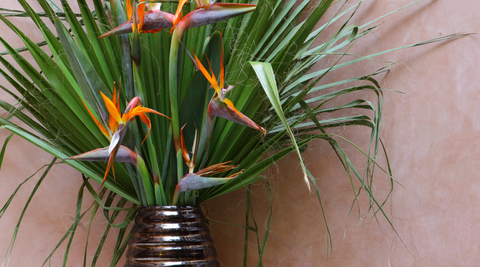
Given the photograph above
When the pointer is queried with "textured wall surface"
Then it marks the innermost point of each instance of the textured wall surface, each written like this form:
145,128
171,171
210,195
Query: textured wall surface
430,132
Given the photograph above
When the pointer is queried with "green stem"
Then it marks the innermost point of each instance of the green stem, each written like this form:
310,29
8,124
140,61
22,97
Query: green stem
173,89
172,79
176,197
147,182
179,165
158,194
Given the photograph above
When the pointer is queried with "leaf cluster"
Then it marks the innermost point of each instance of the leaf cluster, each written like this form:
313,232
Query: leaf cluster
269,56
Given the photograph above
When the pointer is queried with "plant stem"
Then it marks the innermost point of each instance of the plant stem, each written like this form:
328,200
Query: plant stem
172,79
147,183
173,75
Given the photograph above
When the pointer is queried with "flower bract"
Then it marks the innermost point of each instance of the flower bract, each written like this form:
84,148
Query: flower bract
154,20
117,124
221,106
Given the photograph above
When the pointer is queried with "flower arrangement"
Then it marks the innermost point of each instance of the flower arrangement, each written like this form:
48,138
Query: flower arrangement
158,61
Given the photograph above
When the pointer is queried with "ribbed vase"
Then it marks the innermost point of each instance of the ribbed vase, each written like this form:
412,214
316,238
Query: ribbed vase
171,236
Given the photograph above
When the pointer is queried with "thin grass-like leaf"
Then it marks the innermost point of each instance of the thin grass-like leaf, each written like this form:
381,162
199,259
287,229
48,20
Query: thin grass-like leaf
329,235
67,234
261,249
24,48
2,153
7,203
6,260
75,223
92,216
121,246
82,168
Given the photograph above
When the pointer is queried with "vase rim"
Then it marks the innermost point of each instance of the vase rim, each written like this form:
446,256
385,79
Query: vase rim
170,207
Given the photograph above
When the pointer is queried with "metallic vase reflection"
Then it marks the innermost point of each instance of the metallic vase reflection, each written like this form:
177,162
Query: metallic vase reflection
171,236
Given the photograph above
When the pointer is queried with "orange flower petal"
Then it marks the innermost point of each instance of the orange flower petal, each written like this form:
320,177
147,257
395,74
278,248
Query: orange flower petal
211,79
185,154
215,84
129,9
116,97
110,163
178,14
112,123
147,121
137,18
141,15
100,126
112,109
140,110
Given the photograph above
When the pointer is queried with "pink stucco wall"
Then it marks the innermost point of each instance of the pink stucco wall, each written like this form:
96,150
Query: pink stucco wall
430,132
